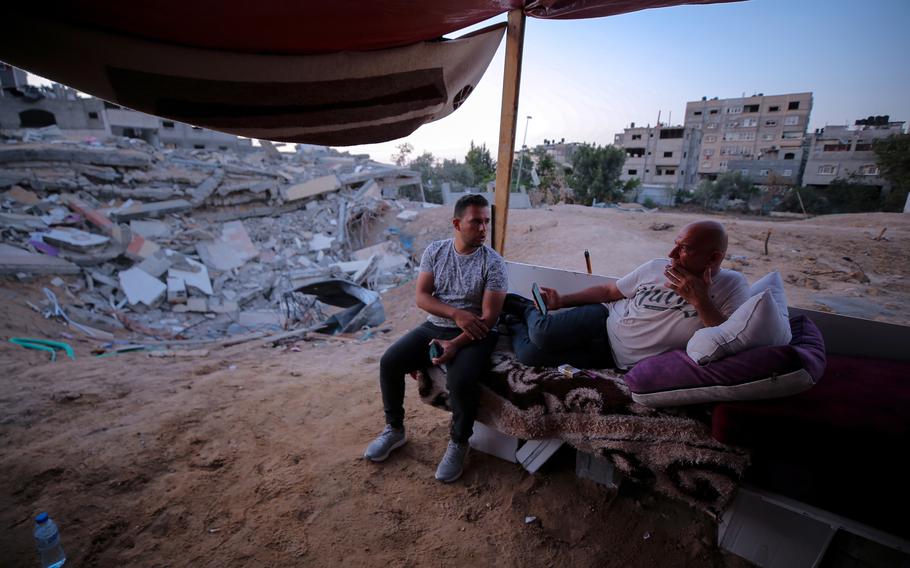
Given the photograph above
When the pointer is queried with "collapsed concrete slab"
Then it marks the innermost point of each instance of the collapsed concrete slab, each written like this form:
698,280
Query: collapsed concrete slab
312,188
145,210
198,279
14,260
232,249
67,153
389,257
150,229
74,239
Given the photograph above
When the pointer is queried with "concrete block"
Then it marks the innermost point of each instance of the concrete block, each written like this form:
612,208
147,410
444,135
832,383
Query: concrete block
141,287
598,469
534,453
74,239
407,215
494,442
150,229
321,242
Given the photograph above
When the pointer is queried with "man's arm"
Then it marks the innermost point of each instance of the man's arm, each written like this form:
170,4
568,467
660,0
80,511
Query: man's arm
491,308
471,324
594,295
694,289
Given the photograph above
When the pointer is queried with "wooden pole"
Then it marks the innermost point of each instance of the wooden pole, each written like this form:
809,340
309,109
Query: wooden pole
511,81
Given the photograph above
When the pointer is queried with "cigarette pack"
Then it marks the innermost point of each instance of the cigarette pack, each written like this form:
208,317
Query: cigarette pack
569,371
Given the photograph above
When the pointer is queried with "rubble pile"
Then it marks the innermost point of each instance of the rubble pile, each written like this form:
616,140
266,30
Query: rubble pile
195,244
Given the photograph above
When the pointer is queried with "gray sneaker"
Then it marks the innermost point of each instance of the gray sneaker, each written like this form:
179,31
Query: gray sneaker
452,463
380,448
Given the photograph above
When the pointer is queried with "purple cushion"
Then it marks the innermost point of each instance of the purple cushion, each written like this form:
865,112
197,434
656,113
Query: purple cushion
673,379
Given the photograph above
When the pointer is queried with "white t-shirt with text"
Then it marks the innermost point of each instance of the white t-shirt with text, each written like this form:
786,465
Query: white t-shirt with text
653,319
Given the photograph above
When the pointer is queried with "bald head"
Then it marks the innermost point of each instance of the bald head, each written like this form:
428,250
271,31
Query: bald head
708,234
700,246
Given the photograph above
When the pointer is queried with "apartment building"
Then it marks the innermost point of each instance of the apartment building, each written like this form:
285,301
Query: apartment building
747,129
659,155
846,152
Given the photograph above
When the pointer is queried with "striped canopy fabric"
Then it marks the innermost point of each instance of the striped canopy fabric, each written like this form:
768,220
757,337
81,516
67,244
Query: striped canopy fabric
335,73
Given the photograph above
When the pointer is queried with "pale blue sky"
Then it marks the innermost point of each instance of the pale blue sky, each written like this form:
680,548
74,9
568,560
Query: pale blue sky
585,80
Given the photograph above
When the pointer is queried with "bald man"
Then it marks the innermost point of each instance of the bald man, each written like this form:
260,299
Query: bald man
655,308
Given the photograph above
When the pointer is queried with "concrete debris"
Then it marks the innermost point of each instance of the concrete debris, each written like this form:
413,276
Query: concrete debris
312,188
14,260
197,245
150,229
141,287
74,239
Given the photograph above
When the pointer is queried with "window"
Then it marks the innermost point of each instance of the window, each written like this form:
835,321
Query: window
773,108
791,121
633,172
710,138
93,115
795,135
750,122
763,173
789,156
868,170
697,113
788,173
734,110
635,152
748,136
658,172
711,126
709,152
827,170
723,165
794,105
863,146
668,154
836,148
199,146
636,137
712,111
768,136
770,123
671,133
744,172
167,124
670,172
750,108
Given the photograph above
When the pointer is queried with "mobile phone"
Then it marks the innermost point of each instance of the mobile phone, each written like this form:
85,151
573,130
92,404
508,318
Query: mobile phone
435,350
538,299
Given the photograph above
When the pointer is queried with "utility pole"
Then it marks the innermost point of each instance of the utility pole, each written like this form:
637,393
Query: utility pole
522,156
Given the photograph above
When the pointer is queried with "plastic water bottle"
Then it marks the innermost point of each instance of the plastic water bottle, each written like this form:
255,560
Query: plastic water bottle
47,537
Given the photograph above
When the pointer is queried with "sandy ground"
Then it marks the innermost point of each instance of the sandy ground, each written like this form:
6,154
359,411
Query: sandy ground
250,456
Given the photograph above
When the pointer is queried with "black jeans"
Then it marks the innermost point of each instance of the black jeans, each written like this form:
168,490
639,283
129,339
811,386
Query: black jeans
577,336
412,352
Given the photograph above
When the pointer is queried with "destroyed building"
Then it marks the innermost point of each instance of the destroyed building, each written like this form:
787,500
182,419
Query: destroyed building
199,244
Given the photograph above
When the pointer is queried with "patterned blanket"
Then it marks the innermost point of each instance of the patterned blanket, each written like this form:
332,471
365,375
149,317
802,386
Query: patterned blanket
668,449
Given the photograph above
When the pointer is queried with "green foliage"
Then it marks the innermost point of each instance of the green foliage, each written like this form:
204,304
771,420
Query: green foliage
526,164
404,151
727,186
481,163
552,186
841,196
893,157
595,173
649,203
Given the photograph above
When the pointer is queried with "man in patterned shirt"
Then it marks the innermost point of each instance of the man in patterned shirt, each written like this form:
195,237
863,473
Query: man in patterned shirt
462,285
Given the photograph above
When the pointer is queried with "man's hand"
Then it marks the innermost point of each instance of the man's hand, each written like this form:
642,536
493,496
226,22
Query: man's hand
449,349
551,298
471,324
693,289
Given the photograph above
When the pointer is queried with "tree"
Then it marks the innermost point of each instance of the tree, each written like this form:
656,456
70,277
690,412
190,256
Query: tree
456,173
404,151
481,163
893,158
595,173
727,186
526,165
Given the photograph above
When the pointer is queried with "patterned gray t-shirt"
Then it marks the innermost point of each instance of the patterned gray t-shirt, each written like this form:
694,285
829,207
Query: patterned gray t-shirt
461,279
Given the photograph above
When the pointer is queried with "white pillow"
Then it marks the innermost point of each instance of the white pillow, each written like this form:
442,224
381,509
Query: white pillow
757,323
772,281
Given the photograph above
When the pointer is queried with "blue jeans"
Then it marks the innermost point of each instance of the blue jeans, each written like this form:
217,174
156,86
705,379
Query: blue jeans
577,336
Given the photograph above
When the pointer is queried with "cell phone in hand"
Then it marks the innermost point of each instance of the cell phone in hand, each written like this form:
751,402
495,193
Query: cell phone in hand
435,350
538,299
